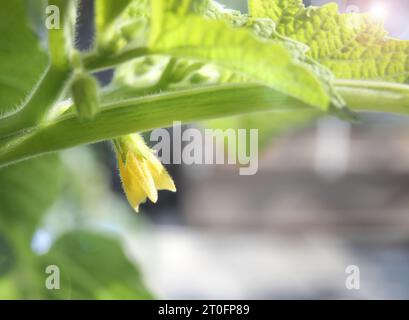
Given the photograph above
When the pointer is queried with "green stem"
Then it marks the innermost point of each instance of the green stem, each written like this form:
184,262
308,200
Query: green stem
375,96
147,113
161,110
164,81
97,61
59,44
44,95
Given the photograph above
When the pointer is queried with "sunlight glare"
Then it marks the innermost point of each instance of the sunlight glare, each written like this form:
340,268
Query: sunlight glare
379,11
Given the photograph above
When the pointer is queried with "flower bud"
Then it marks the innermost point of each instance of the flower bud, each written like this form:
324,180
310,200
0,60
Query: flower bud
84,90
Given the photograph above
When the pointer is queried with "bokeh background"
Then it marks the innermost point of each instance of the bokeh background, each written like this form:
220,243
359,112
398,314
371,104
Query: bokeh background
328,194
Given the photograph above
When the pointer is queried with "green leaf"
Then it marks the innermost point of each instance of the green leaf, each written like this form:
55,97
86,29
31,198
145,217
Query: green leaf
184,34
93,266
21,59
7,256
28,189
36,16
266,28
352,45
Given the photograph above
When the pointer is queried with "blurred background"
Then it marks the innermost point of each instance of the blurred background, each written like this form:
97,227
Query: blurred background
328,194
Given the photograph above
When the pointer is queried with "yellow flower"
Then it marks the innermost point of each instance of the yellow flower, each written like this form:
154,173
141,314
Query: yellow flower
141,172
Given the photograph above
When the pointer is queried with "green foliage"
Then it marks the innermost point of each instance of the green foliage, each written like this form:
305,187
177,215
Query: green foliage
7,258
352,45
178,30
93,267
184,45
184,34
91,264
21,60
29,189
32,187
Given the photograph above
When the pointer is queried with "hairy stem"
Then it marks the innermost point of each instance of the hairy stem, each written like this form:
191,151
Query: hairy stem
146,113
375,96
45,94
161,110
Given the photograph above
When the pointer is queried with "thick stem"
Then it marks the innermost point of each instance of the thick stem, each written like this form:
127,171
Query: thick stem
147,113
375,96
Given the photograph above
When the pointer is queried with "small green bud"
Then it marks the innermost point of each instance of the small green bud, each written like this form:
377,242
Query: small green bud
133,30
84,90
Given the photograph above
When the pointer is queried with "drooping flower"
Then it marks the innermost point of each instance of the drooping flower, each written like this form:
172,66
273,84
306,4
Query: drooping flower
141,171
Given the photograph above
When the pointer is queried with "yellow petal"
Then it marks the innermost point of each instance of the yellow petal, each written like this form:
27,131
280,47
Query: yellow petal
139,169
163,180
134,193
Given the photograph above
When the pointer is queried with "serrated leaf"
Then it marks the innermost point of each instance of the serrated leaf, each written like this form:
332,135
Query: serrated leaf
266,28
352,45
